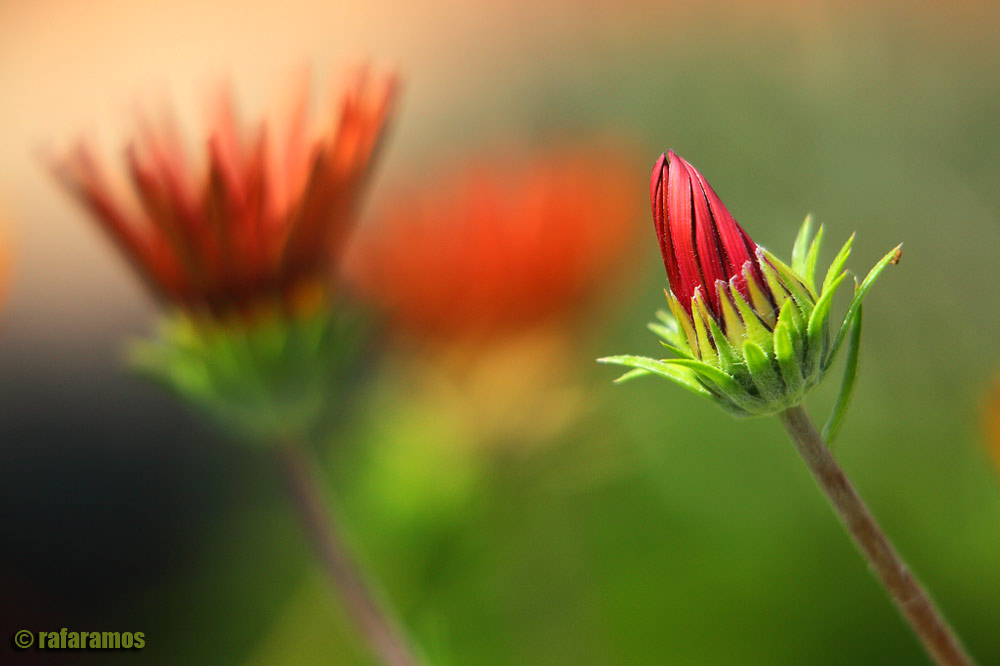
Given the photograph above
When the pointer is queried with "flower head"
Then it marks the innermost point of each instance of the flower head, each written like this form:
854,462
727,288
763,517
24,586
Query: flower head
260,225
498,246
748,330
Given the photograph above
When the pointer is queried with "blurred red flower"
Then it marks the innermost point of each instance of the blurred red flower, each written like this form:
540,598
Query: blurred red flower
261,224
497,246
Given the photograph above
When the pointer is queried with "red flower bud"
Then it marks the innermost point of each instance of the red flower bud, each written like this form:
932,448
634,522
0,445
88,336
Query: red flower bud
700,241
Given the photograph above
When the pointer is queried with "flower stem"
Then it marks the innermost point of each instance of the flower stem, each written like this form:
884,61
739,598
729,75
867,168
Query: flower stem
383,635
904,589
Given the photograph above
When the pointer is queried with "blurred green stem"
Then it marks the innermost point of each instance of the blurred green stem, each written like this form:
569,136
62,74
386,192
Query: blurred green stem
383,635
911,598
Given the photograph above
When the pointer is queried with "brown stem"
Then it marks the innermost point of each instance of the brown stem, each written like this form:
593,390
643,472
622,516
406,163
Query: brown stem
904,589
383,635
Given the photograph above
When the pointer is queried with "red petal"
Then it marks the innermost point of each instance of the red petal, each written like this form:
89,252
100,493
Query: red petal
681,229
707,241
737,246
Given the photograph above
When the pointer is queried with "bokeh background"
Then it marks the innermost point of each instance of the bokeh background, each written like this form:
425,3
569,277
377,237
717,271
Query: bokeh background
637,525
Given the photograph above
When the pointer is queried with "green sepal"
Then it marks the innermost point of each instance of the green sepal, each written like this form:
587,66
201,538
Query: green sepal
818,329
633,374
788,362
762,372
706,351
832,426
761,304
859,295
778,290
676,351
838,264
736,330
728,357
755,328
801,246
726,384
809,271
791,317
682,376
683,320
666,327
264,380
775,269
663,332
669,339
666,319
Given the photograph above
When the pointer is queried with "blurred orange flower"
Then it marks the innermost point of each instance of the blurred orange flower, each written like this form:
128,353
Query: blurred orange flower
498,246
261,224
991,414
483,269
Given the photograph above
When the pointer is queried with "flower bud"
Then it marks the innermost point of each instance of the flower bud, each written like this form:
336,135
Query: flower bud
700,241
748,331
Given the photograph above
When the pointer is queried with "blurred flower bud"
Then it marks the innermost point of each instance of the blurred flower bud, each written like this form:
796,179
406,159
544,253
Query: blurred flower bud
243,245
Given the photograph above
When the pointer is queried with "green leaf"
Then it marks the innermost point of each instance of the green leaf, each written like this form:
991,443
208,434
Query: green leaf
832,426
859,295
801,246
683,377
838,264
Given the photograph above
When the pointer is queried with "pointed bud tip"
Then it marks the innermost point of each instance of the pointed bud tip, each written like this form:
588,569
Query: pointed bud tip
656,177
